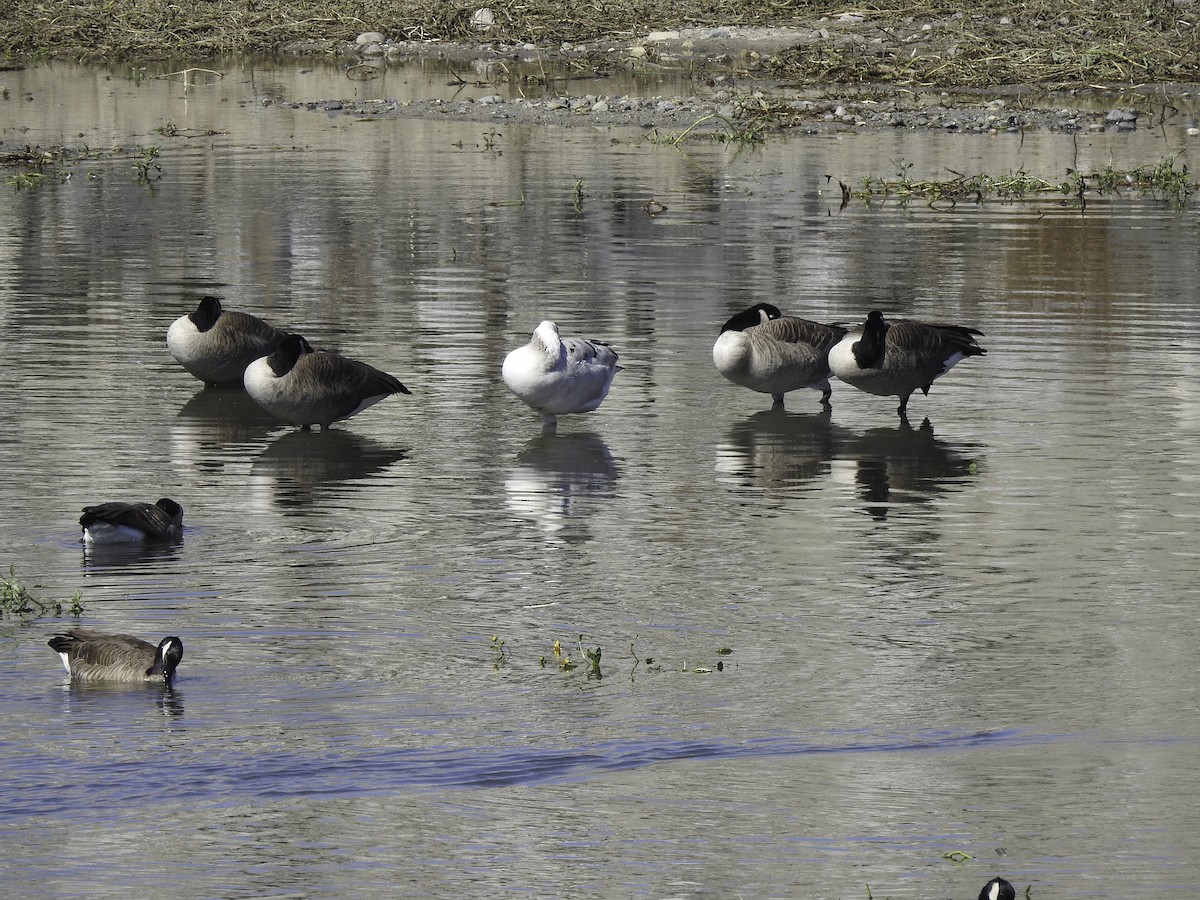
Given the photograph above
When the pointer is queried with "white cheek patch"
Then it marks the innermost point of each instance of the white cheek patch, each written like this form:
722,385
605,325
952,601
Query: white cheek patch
66,662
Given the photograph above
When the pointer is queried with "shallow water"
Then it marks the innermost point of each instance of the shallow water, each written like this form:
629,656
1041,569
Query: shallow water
974,635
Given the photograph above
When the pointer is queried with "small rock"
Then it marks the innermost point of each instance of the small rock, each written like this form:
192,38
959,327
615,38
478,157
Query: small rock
600,106
637,52
483,19
490,100
369,37
1117,116
658,36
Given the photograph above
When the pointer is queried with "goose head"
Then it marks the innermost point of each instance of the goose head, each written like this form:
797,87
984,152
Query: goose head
755,315
173,510
206,314
166,659
998,889
291,349
868,349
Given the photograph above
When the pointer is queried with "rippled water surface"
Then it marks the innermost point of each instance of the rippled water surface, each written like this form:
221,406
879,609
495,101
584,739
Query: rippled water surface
960,647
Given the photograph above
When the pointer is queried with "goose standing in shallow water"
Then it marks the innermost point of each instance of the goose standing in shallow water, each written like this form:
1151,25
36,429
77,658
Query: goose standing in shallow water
897,357
315,387
998,889
93,656
131,523
216,346
771,353
556,375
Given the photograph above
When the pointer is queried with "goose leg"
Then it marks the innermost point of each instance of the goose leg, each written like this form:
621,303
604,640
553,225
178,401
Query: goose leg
825,395
778,399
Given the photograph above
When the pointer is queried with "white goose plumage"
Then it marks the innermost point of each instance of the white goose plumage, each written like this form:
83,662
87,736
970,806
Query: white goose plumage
556,375
894,358
215,345
766,351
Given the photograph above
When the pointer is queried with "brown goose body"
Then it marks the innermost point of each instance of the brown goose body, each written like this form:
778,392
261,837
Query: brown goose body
896,357
95,656
766,351
126,523
215,345
315,387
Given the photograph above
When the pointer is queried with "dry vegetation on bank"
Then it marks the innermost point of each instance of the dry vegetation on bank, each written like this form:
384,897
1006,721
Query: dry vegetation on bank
1060,42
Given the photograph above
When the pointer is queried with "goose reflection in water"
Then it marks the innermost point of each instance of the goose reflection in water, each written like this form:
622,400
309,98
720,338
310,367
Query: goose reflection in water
299,466
168,699
907,465
777,449
211,422
553,473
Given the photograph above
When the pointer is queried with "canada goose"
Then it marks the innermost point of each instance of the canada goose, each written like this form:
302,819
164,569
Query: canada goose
93,656
129,523
556,375
897,357
216,345
998,889
315,387
771,353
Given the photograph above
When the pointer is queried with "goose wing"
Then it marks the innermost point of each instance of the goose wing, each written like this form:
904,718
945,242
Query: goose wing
585,354
95,649
935,344
244,334
342,384
144,517
794,330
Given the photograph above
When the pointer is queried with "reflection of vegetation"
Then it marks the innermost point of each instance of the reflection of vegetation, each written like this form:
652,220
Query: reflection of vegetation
16,600
1162,180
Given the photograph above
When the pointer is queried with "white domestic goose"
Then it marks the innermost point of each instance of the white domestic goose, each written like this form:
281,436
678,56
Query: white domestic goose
131,523
766,351
556,375
94,656
215,345
894,358
315,387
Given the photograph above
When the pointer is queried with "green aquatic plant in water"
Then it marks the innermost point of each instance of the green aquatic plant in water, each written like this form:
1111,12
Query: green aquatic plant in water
17,601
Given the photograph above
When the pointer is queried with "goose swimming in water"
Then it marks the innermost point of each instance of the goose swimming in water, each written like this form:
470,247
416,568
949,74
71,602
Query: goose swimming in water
216,345
556,375
998,889
131,523
771,353
315,387
93,656
894,358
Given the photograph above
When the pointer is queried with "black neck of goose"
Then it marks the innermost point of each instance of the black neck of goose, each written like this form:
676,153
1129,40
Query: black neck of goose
755,315
207,313
868,349
282,360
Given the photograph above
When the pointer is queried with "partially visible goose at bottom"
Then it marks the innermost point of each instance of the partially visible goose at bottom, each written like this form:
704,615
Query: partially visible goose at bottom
766,351
94,656
315,387
894,358
132,523
555,375
998,889
215,345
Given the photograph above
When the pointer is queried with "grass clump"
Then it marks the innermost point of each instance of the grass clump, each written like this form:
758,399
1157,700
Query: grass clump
1162,180
16,601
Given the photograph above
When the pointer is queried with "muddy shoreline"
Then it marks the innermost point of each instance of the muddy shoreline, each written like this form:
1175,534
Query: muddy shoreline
738,93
